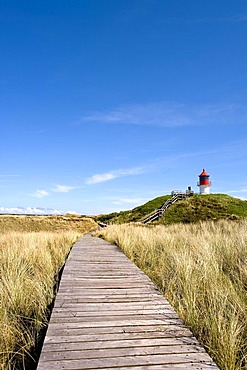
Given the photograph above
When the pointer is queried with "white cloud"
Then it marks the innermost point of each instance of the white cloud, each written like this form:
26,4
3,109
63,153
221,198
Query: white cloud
161,114
58,189
63,188
40,194
98,178
238,194
243,190
238,18
170,114
30,210
95,179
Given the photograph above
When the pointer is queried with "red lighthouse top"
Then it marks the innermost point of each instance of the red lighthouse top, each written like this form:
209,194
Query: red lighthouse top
204,178
204,173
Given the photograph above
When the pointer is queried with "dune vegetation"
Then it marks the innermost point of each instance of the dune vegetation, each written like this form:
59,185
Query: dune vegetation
67,222
30,262
202,270
192,209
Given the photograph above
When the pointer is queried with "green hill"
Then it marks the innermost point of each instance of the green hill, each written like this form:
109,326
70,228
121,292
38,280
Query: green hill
192,209
206,207
135,214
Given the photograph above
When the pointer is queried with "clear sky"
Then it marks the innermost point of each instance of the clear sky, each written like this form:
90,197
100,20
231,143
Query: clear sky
106,104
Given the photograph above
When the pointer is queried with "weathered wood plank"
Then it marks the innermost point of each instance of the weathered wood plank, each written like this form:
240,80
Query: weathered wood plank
118,306
74,344
71,300
101,353
105,363
109,315
99,295
79,292
77,322
120,332
81,312
193,365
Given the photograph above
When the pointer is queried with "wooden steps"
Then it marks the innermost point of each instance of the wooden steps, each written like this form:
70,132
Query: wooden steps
109,315
157,213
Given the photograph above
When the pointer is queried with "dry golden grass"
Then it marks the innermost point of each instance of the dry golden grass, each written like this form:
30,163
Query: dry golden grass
30,262
46,223
202,269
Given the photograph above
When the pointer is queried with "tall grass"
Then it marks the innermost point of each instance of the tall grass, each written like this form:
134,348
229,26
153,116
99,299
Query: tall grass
29,262
52,223
202,269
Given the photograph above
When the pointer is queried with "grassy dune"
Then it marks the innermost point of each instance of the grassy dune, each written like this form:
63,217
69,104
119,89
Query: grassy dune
30,262
193,209
202,268
46,223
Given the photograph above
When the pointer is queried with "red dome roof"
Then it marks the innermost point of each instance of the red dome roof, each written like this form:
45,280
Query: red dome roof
204,173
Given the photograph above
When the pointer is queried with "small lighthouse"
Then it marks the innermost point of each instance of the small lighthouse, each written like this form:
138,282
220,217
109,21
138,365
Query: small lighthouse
204,183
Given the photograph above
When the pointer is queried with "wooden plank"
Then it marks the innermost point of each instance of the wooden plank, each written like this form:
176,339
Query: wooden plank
109,315
127,282
71,300
99,339
102,285
102,294
108,290
120,332
77,322
105,363
193,365
101,353
112,291
75,344
81,312
119,306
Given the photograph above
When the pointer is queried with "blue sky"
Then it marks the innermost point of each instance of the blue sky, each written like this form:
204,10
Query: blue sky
106,104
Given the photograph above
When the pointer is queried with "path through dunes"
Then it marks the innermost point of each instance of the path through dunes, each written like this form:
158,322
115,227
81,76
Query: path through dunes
109,315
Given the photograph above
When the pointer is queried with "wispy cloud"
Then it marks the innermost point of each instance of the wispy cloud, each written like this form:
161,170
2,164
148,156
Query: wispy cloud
240,193
107,176
238,18
57,189
64,188
95,179
40,194
241,190
169,114
30,210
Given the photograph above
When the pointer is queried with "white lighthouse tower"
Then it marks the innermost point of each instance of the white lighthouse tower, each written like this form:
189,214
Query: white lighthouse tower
204,183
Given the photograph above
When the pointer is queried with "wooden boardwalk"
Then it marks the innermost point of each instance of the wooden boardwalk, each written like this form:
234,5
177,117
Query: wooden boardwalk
109,315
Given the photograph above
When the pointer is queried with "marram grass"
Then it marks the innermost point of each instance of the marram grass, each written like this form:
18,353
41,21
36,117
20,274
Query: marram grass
29,262
202,269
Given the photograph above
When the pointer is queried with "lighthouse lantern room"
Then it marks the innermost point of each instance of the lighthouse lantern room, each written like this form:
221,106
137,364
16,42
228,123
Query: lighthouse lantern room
204,183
